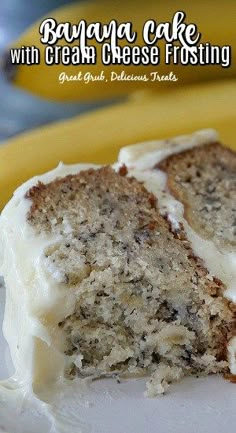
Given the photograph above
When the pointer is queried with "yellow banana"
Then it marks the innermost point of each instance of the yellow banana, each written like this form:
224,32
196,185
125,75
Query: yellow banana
98,136
215,21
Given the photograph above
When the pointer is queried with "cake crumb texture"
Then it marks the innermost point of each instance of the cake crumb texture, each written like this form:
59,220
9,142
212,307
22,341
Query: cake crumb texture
144,304
204,179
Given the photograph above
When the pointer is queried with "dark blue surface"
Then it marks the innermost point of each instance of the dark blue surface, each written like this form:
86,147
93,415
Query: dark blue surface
18,110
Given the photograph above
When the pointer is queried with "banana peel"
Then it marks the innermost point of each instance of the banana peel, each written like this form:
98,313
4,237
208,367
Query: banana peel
97,137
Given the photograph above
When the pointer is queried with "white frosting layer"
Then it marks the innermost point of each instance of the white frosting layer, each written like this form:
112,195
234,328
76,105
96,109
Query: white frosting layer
145,155
140,160
34,302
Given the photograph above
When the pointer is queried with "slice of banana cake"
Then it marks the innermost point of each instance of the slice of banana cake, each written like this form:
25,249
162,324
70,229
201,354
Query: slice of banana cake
107,286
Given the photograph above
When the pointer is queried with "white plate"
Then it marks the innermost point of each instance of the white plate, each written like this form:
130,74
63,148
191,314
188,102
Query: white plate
192,406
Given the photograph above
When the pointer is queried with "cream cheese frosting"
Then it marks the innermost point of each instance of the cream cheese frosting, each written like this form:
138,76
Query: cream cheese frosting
34,303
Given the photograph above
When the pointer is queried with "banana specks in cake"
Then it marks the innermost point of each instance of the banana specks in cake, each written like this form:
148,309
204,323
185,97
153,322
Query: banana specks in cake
204,179
143,302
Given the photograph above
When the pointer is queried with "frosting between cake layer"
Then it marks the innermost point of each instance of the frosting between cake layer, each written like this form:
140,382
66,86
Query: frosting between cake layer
140,160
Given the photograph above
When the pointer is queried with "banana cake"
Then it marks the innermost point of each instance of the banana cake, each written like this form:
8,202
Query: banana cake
105,271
